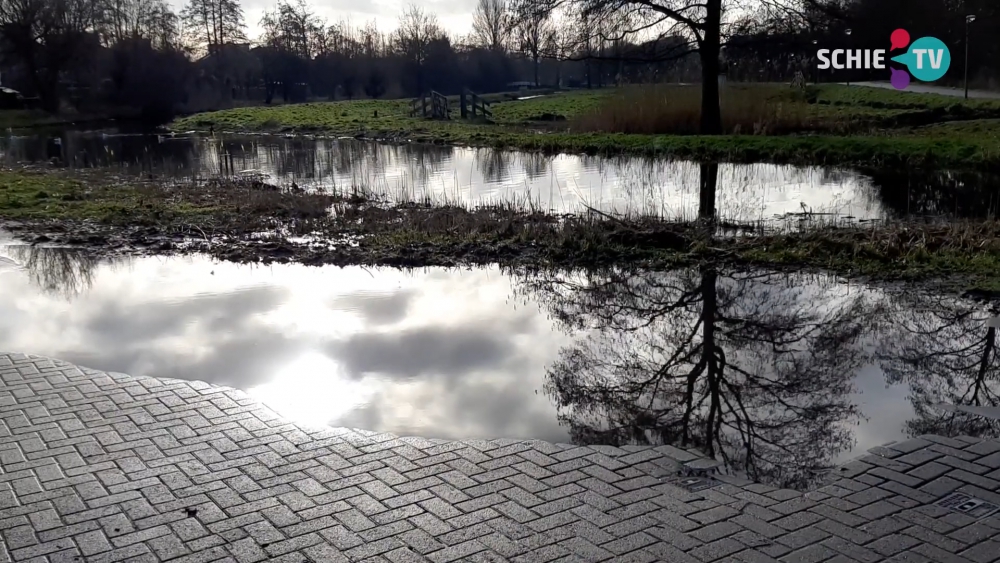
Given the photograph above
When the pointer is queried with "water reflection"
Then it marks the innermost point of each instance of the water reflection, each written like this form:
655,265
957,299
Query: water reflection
438,353
779,375
63,272
945,351
744,366
941,193
562,183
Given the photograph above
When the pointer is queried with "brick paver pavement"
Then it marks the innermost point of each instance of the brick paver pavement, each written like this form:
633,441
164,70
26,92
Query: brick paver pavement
100,467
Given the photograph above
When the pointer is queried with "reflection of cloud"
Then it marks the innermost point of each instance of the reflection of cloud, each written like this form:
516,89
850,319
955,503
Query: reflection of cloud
217,314
286,333
428,351
378,309
242,361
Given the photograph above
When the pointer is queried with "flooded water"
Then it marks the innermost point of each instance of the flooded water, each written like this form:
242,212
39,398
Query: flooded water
561,183
780,375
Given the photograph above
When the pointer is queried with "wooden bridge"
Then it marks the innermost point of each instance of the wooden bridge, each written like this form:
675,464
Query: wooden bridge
474,106
435,105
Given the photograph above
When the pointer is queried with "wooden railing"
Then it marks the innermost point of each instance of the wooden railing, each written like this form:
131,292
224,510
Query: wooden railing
433,105
473,106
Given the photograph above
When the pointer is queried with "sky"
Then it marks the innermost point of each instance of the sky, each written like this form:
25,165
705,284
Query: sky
455,16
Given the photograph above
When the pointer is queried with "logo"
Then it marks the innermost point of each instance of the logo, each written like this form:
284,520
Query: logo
927,59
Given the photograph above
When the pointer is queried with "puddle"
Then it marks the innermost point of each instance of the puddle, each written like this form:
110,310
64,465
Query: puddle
804,372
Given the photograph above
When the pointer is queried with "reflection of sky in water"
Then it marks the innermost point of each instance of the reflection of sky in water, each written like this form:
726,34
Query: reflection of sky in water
563,183
471,176
433,353
437,353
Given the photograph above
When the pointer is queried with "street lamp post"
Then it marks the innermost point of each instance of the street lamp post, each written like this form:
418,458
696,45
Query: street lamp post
847,32
968,19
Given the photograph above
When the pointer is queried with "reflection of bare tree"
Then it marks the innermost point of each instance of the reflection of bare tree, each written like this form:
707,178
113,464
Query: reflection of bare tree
962,194
349,156
59,271
294,159
943,349
743,366
493,164
536,164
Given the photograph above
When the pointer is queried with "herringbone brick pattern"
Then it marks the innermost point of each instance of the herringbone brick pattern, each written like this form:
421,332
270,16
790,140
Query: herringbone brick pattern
100,467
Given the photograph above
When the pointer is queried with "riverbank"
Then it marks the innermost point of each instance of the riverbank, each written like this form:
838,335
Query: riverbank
825,125
246,220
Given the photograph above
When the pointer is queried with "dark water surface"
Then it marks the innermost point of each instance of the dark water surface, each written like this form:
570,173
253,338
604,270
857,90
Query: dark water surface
779,374
562,183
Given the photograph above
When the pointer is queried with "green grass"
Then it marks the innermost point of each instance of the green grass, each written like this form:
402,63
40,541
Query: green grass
846,126
37,195
385,117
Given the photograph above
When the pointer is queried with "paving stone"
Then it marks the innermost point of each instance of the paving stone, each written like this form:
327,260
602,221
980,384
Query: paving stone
108,467
892,544
929,471
985,552
941,486
909,446
717,549
811,554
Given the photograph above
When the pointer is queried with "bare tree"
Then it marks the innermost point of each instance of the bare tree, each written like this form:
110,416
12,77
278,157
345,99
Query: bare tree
209,24
699,20
532,31
293,28
48,37
413,40
139,19
492,24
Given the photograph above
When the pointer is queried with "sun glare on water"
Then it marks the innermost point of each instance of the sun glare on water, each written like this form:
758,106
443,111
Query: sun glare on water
313,390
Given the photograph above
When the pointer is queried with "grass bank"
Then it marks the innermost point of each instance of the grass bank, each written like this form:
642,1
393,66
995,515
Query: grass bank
830,124
250,221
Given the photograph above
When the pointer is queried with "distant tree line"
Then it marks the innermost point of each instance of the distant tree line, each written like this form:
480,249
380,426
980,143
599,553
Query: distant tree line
140,55
90,55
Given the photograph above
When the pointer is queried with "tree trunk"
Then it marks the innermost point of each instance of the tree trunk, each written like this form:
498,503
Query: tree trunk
709,180
711,113
536,70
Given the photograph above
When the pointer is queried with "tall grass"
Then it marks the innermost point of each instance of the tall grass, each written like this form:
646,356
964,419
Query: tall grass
676,109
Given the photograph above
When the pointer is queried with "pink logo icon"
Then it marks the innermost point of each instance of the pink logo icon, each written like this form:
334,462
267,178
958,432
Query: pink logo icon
899,38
